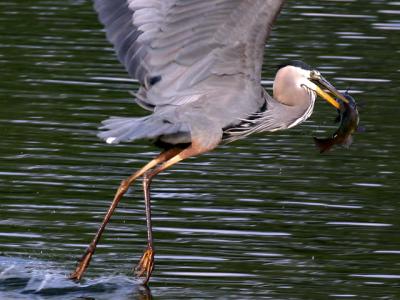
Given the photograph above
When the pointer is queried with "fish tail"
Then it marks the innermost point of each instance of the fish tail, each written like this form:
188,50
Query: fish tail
323,144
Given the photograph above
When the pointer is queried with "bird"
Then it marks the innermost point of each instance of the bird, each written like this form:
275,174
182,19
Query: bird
198,63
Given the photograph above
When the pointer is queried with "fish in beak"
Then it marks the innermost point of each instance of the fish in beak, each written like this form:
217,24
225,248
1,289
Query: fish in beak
349,119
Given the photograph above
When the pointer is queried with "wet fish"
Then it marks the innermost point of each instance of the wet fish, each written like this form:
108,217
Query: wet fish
348,118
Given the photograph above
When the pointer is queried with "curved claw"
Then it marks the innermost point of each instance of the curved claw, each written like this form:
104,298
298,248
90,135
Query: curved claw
145,266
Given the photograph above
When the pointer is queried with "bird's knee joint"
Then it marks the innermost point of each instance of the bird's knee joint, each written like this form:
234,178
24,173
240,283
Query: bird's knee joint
90,249
146,178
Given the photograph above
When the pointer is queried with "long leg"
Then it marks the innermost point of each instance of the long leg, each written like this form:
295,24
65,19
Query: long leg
85,260
146,264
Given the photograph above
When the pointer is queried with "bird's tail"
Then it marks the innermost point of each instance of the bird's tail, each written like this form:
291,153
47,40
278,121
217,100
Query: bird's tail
118,129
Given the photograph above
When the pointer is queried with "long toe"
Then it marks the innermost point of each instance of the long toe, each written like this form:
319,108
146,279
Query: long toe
81,268
75,276
145,266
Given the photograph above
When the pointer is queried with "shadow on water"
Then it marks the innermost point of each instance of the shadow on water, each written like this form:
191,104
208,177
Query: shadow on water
34,279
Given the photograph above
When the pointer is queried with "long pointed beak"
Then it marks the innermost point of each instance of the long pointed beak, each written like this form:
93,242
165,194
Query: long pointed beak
323,84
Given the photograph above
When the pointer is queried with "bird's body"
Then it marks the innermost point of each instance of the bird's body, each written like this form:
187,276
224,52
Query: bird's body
210,112
199,66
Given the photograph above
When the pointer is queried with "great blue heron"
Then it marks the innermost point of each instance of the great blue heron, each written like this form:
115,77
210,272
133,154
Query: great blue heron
199,66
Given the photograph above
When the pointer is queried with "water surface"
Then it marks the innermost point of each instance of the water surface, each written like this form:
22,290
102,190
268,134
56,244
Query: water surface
263,218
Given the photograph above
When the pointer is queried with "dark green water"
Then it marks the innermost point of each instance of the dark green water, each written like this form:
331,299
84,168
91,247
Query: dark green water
264,218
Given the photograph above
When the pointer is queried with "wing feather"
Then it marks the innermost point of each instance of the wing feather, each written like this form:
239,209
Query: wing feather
183,43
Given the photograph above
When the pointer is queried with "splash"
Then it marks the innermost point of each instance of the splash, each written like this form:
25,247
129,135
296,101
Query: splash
34,279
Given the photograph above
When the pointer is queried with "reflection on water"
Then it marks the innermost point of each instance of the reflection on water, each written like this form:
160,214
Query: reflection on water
267,217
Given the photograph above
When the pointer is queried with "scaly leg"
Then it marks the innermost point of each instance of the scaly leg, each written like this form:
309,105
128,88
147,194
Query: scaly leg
85,260
145,266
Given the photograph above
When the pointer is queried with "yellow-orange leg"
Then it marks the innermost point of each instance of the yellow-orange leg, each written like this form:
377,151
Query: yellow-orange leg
123,188
145,266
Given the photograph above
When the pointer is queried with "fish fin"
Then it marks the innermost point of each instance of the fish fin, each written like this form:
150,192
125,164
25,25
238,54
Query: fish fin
323,145
361,105
361,129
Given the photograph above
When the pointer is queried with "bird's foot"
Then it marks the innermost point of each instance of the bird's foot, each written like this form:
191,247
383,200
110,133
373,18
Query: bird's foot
145,266
82,266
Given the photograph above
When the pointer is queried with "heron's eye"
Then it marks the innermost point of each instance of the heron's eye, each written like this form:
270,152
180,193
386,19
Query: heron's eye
314,74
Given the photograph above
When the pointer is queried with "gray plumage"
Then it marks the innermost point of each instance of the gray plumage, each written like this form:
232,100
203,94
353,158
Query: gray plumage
198,62
199,66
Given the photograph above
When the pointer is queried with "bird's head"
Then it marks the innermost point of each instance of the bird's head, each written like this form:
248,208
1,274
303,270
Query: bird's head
295,81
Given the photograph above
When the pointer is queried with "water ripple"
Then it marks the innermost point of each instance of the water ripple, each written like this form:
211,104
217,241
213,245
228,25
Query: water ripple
263,218
212,232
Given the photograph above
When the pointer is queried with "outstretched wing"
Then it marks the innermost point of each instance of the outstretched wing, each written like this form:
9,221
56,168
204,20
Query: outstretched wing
173,46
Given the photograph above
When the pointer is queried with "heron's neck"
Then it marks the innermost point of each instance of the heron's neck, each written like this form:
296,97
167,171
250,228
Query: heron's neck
287,113
272,116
